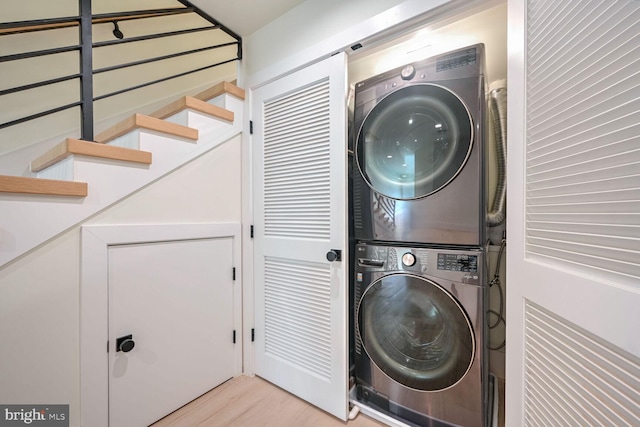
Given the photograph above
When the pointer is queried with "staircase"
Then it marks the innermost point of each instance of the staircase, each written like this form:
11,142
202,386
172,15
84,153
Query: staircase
77,179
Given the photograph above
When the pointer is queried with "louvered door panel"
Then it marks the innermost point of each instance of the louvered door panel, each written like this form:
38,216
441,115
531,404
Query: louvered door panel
583,137
296,164
573,222
297,304
296,205
573,378
300,179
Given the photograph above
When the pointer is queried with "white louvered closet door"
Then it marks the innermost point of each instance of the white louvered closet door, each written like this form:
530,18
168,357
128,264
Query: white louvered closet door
300,202
573,271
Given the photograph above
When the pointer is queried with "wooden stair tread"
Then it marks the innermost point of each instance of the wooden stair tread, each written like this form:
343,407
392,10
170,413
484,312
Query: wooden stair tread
219,89
71,146
85,148
146,122
196,104
27,185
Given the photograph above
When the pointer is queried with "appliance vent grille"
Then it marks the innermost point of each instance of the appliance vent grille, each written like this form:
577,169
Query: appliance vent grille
573,377
357,296
296,164
358,202
583,137
297,306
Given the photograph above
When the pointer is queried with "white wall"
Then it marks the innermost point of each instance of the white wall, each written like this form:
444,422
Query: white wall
19,10
39,326
39,292
316,29
306,25
488,26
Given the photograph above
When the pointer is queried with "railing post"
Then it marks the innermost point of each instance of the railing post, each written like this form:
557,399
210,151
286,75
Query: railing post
86,66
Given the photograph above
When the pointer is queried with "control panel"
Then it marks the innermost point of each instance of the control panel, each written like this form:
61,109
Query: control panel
458,262
461,58
451,265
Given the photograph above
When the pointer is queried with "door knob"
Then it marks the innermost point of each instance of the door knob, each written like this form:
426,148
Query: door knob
334,255
125,343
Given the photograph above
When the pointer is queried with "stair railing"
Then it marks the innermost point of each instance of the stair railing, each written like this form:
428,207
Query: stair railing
85,21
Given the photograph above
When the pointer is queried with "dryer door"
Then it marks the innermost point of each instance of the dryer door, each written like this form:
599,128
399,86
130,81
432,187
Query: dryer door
414,141
416,332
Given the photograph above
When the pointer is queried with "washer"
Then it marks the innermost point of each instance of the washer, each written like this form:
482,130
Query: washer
419,152
420,334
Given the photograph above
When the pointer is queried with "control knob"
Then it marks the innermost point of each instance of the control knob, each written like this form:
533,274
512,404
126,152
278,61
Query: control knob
408,259
408,72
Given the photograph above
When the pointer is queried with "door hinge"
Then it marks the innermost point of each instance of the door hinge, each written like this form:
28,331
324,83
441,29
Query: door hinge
250,127
251,231
253,335
234,336
107,346
234,273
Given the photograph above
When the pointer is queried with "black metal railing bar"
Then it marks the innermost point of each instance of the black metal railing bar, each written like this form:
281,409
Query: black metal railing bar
206,16
164,79
86,68
85,21
37,53
152,36
40,84
140,14
41,114
161,58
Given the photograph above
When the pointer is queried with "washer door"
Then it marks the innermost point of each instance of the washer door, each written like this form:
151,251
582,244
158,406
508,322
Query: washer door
415,332
414,141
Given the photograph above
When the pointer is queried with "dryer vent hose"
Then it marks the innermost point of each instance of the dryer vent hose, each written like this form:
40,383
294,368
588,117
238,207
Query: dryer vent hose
498,108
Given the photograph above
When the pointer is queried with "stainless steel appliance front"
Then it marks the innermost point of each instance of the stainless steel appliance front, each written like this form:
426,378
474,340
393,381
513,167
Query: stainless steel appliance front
418,153
420,334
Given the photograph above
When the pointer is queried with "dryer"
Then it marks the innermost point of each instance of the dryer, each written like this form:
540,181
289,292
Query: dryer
420,334
419,152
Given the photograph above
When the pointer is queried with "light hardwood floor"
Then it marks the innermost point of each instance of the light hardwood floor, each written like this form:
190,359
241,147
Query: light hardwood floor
253,402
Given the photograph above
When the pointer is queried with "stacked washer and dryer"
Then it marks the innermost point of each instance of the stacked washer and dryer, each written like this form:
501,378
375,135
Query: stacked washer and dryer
419,211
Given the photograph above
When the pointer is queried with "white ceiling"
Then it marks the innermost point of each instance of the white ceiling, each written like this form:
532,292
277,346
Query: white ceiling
244,17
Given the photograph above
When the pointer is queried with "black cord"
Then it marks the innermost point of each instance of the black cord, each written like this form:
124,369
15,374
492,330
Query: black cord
496,281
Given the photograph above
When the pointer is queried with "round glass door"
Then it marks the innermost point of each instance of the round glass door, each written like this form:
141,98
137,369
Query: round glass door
414,142
415,332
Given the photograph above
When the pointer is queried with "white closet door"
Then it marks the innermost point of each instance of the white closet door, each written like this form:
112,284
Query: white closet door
175,299
573,297
300,205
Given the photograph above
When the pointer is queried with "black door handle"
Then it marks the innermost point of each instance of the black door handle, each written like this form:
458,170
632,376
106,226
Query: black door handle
125,343
334,255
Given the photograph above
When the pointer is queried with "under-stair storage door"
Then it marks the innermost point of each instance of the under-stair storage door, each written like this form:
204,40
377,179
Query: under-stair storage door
300,202
573,225
170,326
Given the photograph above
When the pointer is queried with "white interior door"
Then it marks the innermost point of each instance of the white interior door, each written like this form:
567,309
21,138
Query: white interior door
573,272
176,300
300,208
